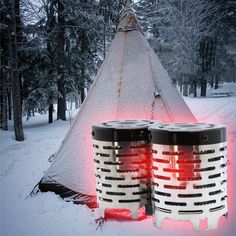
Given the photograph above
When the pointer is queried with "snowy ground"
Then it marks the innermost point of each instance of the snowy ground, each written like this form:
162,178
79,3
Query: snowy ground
23,164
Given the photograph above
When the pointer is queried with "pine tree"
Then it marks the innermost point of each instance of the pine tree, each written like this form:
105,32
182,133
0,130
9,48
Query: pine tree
226,43
60,54
4,76
17,103
110,11
176,30
83,46
61,105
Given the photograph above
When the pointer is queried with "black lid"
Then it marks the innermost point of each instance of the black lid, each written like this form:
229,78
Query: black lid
124,130
187,133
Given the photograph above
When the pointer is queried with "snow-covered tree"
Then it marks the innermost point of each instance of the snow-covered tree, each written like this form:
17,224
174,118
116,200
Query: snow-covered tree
110,11
225,69
80,55
13,24
176,30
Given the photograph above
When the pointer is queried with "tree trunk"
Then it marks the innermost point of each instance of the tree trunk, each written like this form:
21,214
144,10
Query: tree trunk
17,107
50,25
180,84
3,102
104,41
212,81
195,88
83,50
203,87
19,40
50,113
3,82
207,54
9,103
185,89
61,109
4,118
82,94
76,102
216,82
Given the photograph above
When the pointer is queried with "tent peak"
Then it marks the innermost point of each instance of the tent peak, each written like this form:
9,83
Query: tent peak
128,20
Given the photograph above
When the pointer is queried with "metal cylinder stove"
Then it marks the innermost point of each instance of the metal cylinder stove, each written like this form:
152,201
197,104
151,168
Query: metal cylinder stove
122,160
189,173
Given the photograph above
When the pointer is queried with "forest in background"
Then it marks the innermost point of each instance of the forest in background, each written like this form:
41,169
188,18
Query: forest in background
51,50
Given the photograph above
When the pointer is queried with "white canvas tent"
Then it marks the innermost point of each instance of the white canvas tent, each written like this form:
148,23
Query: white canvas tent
131,84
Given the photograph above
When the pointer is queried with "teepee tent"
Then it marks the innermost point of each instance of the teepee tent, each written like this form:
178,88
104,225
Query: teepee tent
131,84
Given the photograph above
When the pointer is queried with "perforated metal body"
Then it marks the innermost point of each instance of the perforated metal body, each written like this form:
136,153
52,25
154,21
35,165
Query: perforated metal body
189,180
122,168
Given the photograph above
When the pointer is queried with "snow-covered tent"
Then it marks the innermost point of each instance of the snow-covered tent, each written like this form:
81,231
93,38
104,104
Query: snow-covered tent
131,84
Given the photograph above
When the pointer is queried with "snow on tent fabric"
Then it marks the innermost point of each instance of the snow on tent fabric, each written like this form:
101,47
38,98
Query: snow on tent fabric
126,87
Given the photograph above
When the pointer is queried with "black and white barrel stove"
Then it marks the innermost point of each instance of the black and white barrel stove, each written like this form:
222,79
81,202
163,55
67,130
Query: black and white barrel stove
189,173
122,160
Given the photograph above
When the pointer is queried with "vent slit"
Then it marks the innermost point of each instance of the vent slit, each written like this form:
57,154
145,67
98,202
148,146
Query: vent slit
128,186
173,170
103,170
114,178
203,152
112,148
113,163
105,199
190,195
192,178
222,149
141,192
127,170
127,155
106,185
176,203
130,200
155,200
215,159
98,190
169,153
102,154
214,176
191,161
162,193
203,169
116,193
192,212
204,203
204,186
160,160
174,186
161,177
163,210
217,208
214,192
